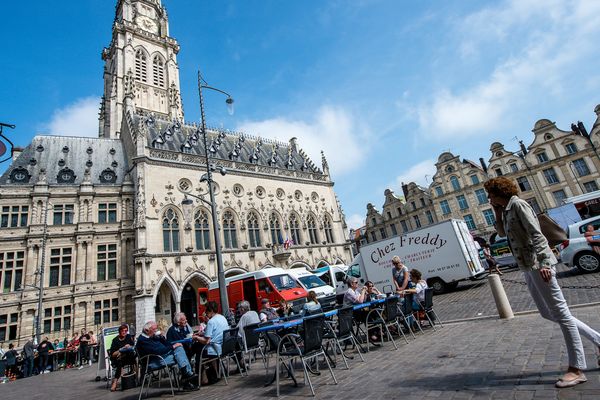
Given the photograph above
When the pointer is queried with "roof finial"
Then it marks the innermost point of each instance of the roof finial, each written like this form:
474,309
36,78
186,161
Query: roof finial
324,163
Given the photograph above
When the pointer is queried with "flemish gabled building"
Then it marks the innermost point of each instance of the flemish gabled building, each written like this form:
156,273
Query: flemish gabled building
400,214
457,192
104,217
556,165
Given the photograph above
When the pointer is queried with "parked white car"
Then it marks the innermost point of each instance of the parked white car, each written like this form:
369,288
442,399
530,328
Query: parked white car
576,251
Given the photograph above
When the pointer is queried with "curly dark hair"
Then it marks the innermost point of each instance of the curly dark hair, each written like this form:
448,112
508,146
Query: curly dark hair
501,187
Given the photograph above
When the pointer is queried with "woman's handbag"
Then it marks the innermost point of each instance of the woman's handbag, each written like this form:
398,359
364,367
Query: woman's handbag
129,381
551,230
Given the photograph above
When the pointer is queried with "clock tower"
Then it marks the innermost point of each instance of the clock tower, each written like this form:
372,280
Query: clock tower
141,63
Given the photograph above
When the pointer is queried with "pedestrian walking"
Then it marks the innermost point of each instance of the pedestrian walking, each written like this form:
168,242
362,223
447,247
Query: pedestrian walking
516,220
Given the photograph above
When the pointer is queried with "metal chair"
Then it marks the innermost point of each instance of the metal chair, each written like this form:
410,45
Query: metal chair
387,317
153,366
228,350
251,343
407,312
427,306
341,332
306,346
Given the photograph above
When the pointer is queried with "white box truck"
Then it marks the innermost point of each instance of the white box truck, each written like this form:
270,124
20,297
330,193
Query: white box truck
445,253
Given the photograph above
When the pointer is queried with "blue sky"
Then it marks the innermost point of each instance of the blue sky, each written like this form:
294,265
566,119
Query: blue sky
382,86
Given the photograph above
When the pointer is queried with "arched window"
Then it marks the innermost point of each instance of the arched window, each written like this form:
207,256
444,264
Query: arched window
201,230
229,232
275,227
295,229
454,182
141,67
328,230
158,71
170,228
312,230
253,230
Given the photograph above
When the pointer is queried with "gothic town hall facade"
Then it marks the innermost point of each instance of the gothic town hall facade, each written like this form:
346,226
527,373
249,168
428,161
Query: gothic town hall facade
102,217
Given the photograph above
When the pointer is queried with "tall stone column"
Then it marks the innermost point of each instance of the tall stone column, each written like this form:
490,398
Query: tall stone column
123,258
80,263
144,311
89,259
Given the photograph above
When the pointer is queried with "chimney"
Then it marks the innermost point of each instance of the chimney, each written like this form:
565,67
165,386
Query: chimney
16,152
483,165
405,190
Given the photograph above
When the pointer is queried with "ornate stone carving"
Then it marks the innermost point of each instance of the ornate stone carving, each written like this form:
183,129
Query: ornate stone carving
129,84
140,205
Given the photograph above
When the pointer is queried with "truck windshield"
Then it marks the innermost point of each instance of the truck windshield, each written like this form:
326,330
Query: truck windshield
311,281
282,282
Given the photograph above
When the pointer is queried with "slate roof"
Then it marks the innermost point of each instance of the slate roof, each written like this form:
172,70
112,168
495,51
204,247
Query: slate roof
56,154
225,145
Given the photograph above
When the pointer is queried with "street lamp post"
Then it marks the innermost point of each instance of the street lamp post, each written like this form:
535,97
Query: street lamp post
209,180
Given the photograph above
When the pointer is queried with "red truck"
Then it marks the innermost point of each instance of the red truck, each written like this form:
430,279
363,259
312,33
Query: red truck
275,284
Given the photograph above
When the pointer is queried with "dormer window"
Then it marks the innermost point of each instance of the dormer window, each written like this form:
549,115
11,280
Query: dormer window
108,176
19,175
66,175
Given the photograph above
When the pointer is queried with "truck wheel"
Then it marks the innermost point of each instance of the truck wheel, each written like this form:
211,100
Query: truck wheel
587,261
438,285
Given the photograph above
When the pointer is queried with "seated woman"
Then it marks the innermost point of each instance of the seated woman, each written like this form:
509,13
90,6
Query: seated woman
285,309
419,289
372,291
593,238
312,305
121,353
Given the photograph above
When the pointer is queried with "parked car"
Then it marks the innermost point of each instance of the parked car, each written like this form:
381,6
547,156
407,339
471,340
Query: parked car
576,251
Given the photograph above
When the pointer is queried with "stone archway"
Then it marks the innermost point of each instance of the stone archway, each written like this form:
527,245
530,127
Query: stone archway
190,299
165,304
322,263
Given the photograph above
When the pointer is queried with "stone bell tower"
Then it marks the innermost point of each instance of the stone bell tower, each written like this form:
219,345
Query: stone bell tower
140,60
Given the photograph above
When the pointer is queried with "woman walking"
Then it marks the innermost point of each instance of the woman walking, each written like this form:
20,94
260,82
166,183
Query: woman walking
516,220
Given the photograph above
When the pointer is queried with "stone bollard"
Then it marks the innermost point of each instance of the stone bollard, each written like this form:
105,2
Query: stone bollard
502,304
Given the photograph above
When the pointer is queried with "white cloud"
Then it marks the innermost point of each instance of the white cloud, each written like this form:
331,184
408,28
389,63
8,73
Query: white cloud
542,59
334,130
79,118
420,173
355,221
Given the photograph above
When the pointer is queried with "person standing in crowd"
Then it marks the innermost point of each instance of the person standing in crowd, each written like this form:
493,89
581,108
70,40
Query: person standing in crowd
267,313
399,274
84,340
312,305
28,358
43,350
516,220
490,260
11,361
121,353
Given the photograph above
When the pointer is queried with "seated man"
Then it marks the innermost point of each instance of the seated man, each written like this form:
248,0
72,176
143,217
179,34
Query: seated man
247,317
267,313
182,332
213,338
353,295
150,343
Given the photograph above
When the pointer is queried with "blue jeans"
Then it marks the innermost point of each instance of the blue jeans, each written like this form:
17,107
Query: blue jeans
175,356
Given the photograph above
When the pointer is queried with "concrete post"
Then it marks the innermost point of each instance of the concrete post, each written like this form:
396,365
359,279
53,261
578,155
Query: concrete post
502,304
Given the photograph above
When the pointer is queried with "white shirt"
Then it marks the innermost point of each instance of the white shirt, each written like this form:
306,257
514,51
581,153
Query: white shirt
249,318
420,290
